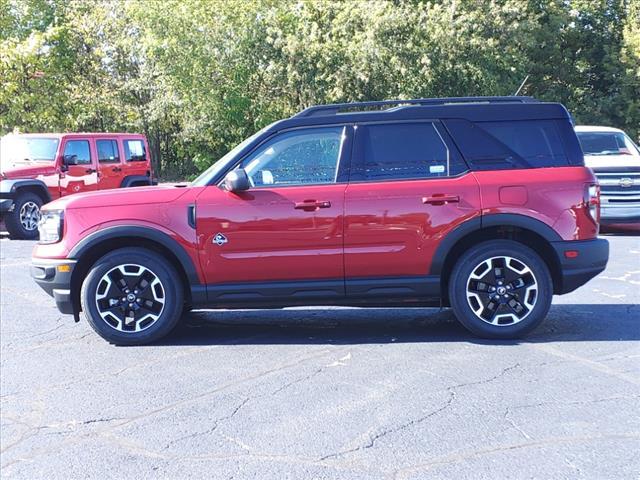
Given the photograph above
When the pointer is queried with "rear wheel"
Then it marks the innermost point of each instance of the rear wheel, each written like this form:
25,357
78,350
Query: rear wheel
500,289
132,296
22,222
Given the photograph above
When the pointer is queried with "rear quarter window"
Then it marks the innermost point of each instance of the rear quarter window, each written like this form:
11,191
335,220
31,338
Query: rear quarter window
537,142
134,151
510,144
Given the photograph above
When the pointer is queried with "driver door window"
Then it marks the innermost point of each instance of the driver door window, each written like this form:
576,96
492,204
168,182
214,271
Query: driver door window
298,157
76,152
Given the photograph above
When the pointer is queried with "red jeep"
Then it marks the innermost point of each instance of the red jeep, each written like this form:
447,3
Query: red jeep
483,204
38,168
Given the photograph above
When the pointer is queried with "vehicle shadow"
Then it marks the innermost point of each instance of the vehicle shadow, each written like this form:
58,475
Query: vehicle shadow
346,326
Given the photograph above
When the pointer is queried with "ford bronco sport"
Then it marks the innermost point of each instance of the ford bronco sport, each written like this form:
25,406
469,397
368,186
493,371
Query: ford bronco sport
483,204
38,168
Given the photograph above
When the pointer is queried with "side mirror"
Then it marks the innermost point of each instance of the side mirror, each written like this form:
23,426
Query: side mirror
70,160
63,165
236,181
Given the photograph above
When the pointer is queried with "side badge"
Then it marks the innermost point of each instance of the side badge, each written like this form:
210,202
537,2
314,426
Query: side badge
220,239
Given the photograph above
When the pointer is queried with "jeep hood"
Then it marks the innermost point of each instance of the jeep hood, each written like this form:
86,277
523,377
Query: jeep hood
13,170
118,197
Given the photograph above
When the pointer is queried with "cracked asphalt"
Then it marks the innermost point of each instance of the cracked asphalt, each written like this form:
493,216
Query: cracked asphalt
321,393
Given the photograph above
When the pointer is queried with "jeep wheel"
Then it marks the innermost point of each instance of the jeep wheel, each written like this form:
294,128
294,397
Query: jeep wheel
22,222
132,296
500,289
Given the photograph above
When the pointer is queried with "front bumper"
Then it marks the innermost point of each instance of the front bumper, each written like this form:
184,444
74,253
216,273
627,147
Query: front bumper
579,262
610,214
54,277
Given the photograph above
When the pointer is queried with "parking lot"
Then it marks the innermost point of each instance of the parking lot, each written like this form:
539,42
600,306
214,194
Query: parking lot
324,393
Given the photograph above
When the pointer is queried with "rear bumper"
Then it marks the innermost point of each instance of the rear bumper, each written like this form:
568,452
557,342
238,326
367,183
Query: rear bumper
54,277
590,260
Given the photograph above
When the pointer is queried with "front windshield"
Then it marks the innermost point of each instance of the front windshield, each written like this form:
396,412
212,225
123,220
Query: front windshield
211,172
14,148
606,143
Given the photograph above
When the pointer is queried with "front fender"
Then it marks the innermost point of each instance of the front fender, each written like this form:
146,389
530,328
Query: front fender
10,187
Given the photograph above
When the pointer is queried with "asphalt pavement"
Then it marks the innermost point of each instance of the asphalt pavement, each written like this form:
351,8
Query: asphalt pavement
318,393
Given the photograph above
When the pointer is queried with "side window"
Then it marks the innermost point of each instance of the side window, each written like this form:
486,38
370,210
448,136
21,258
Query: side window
107,151
134,151
76,152
537,142
298,157
400,151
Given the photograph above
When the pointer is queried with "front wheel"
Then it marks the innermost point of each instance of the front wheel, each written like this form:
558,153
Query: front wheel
132,296
500,289
22,222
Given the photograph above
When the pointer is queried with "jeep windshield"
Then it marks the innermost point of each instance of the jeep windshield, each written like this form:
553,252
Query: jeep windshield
606,143
15,148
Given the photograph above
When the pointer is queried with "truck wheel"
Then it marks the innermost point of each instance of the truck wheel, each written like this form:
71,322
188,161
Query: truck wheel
132,296
500,289
22,222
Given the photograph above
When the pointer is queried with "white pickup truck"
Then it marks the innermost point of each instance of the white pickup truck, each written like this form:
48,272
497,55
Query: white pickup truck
615,159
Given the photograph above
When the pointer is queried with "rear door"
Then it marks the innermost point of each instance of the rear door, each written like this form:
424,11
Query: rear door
409,187
109,163
79,162
136,156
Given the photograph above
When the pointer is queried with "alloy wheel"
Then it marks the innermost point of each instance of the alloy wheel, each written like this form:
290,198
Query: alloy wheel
130,298
502,291
29,216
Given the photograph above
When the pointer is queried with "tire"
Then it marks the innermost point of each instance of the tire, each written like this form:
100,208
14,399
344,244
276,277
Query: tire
151,286
22,222
500,289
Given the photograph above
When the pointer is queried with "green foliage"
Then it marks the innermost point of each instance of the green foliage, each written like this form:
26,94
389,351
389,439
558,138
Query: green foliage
198,76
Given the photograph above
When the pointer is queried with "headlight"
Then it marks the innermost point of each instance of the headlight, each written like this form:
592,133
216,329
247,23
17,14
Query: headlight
50,226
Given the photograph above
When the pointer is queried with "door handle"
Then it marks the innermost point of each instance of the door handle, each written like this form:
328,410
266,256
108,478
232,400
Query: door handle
311,205
116,169
90,170
439,199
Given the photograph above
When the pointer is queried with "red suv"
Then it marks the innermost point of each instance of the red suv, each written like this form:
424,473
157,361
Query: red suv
483,204
38,168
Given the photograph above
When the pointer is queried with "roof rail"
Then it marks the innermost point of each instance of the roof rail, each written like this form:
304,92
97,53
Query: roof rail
336,108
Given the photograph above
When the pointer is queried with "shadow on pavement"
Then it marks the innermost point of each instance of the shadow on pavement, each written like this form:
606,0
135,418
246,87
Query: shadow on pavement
346,326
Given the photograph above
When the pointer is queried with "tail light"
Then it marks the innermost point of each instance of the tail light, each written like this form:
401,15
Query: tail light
592,200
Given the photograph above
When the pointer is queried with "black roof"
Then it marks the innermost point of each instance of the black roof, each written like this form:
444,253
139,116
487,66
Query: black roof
475,109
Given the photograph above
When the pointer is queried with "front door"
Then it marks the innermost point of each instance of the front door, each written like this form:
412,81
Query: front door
282,238
408,189
109,164
81,174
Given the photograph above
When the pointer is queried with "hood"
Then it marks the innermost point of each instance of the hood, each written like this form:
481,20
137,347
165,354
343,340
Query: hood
13,170
611,161
118,197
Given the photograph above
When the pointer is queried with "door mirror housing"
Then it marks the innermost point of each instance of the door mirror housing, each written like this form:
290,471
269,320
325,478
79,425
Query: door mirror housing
70,160
236,181
63,165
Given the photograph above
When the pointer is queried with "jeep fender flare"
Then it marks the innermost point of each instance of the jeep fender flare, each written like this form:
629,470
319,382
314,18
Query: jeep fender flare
131,180
477,224
9,188
144,233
